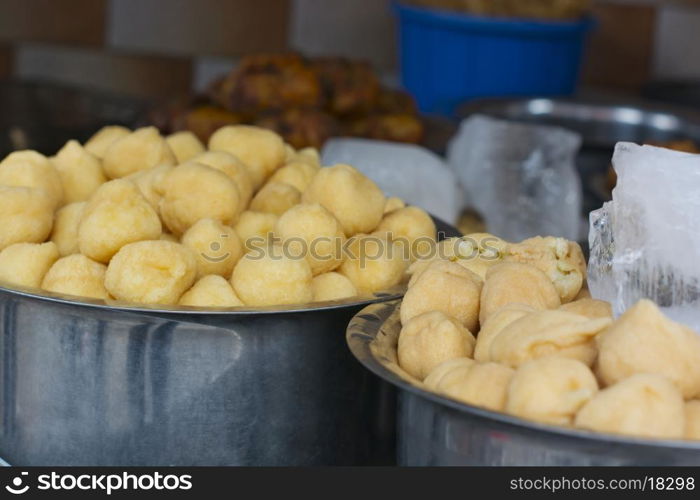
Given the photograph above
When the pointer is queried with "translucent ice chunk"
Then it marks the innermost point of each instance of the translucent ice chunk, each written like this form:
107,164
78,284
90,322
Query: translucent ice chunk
646,242
410,172
521,177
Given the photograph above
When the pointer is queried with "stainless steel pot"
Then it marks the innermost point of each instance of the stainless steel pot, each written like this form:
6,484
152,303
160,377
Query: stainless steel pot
435,430
89,383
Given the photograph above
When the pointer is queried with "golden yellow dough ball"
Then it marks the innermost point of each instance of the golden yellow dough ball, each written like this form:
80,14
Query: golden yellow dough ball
393,203
551,390
561,260
255,229
25,264
448,287
150,183
643,340
65,228
511,282
81,172
373,263
151,272
590,308
261,150
548,333
217,247
332,286
311,231
141,149
494,325
115,216
354,199
234,168
448,372
211,291
32,170
269,278
483,384
26,215
275,198
429,340
411,227
643,405
77,275
98,144
297,174
184,145
192,192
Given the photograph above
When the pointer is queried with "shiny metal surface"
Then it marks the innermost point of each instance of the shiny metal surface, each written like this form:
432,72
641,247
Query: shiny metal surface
434,430
94,386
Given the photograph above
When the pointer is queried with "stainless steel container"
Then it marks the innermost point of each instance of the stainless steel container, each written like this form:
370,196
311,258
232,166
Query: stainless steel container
434,430
89,383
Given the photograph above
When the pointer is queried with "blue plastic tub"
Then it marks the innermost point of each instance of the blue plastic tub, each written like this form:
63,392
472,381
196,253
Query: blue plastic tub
448,58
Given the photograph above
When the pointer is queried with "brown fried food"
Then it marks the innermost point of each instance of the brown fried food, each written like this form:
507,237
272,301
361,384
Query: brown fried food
301,127
349,87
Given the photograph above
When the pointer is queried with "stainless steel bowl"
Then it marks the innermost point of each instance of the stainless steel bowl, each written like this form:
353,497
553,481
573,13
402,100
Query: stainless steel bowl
90,383
435,430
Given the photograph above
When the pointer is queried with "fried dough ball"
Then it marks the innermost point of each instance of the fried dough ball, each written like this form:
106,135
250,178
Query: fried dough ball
332,286
430,339
497,322
310,231
585,293
150,183
643,340
272,279
141,149
561,260
217,247
77,275
26,215
413,228
65,228
308,155
81,172
550,390
32,170
692,420
151,272
184,145
354,199
98,144
373,263
298,174
25,264
255,229
393,203
116,215
192,191
260,149
590,308
211,291
481,384
448,287
447,372
275,198
547,333
511,282
644,405
234,168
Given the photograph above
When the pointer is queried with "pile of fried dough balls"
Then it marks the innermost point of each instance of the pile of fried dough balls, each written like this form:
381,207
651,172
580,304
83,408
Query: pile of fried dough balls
512,328
142,218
